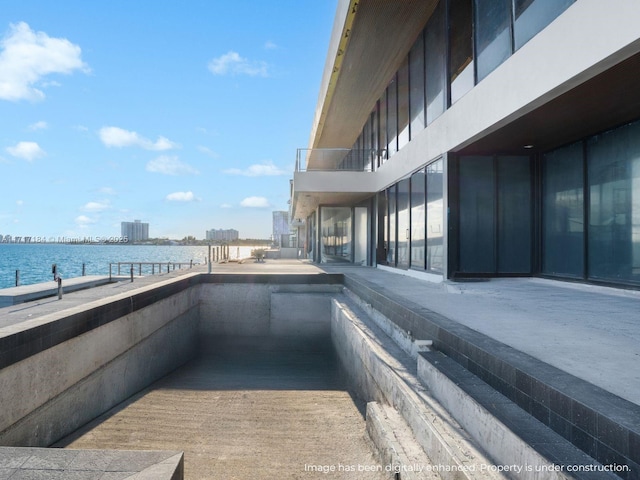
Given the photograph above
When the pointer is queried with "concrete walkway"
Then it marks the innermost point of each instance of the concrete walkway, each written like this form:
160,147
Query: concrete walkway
591,332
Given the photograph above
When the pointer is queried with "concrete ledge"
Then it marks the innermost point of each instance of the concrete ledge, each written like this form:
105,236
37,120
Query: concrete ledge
507,432
59,464
28,293
379,370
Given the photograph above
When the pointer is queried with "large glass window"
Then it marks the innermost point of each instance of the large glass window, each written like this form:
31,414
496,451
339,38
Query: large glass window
493,34
392,118
531,16
461,74
563,212
416,81
382,138
514,215
403,104
477,215
435,217
391,226
418,220
335,231
360,235
614,204
436,63
403,235
375,137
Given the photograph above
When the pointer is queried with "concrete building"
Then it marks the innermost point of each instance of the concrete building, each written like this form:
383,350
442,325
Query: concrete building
135,231
222,235
281,229
469,138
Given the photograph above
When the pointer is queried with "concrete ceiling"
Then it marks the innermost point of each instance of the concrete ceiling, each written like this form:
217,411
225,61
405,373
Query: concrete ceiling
381,36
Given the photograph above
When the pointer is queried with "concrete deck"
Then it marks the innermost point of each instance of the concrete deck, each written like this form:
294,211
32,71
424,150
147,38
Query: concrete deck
37,291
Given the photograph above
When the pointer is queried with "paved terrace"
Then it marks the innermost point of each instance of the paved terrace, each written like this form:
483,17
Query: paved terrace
591,332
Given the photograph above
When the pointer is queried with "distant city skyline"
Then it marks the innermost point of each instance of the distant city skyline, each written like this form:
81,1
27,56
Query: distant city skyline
106,116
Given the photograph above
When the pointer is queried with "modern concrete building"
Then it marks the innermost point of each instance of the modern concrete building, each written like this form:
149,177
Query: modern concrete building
222,235
135,231
473,138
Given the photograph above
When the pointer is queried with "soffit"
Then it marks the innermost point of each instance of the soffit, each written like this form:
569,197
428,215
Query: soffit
381,36
605,101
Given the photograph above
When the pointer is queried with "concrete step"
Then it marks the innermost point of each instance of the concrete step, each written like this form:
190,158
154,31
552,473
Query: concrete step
515,439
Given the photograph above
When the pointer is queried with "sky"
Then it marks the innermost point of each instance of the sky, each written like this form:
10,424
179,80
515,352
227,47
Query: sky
183,114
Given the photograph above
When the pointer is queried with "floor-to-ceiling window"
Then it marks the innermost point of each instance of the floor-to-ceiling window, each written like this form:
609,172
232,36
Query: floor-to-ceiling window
461,65
418,216
403,104
335,234
613,164
403,219
563,212
531,16
391,226
392,117
493,34
435,217
416,81
436,63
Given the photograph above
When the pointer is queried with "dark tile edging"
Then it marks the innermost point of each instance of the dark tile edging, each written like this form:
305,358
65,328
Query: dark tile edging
601,424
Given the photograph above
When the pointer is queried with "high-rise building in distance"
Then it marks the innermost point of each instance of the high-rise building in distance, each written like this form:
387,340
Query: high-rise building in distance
135,231
222,235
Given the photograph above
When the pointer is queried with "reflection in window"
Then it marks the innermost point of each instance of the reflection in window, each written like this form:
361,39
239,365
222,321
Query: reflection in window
531,16
403,104
614,204
436,63
416,80
335,234
391,233
418,220
461,49
392,117
563,212
435,217
493,34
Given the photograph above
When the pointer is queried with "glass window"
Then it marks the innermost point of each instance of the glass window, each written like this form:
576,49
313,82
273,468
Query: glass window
383,227
392,118
493,34
514,214
416,81
335,234
614,204
435,217
563,212
360,235
375,137
461,75
435,63
531,16
391,234
403,234
382,139
418,220
403,104
477,215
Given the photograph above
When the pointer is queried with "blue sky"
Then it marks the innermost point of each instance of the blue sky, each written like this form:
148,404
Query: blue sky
183,114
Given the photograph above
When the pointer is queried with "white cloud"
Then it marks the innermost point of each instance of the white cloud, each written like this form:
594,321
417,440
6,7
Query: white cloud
170,166
41,125
226,205
119,137
19,202
232,63
207,151
27,56
107,191
180,197
28,151
83,221
255,202
269,45
96,206
266,169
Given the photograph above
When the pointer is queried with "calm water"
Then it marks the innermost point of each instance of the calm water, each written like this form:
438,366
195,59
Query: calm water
34,260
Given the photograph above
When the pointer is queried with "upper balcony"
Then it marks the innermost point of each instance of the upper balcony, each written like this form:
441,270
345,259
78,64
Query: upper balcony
332,176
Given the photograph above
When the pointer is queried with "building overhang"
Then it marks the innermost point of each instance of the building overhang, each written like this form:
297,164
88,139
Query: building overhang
338,188
360,63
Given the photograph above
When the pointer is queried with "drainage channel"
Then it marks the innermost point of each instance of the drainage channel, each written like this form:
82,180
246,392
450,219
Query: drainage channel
247,407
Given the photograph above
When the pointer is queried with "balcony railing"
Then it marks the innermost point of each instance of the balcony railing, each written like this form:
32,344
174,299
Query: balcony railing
331,159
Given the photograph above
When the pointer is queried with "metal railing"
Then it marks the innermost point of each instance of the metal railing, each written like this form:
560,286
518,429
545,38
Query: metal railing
162,267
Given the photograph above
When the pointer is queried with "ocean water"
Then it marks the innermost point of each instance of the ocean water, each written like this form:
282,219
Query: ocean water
35,260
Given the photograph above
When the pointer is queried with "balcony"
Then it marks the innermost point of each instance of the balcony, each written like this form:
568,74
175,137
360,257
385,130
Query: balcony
332,176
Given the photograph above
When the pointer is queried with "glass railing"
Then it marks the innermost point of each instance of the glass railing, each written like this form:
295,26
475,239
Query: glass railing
343,159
